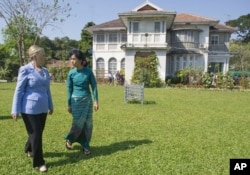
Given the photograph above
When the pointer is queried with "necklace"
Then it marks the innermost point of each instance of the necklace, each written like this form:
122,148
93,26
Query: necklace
38,68
40,71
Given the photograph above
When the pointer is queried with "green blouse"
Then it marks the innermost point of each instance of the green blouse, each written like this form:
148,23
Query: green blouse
79,83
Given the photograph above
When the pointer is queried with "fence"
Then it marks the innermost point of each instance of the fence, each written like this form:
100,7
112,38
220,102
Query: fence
134,92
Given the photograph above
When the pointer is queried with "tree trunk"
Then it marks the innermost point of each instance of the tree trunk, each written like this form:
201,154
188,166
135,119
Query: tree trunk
19,46
21,51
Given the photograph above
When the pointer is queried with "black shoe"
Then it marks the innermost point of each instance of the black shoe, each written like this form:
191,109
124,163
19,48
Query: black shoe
86,152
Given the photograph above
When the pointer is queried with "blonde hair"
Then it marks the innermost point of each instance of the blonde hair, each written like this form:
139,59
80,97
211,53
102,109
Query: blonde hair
33,50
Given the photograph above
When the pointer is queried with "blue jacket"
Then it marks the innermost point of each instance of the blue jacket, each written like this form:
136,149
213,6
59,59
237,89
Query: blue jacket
32,94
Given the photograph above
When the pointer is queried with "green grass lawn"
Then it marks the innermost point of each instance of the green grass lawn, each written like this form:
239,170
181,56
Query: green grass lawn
176,131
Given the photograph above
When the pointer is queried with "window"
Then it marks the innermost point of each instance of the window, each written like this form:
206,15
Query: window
163,26
113,37
196,63
191,59
100,68
157,27
184,65
171,64
124,37
190,36
123,64
100,63
214,39
185,36
112,65
135,27
177,65
215,67
227,37
130,25
100,38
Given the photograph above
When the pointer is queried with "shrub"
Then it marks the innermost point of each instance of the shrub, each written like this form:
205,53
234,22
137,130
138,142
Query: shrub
146,71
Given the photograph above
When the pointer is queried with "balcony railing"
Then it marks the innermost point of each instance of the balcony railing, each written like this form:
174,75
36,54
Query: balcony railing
195,45
175,45
219,47
185,45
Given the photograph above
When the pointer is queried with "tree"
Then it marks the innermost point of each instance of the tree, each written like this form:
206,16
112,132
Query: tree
243,25
146,71
29,18
63,45
86,38
86,42
8,64
241,56
4,71
49,47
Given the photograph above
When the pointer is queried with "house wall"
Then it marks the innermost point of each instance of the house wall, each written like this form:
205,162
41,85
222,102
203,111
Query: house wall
119,55
129,64
204,35
161,55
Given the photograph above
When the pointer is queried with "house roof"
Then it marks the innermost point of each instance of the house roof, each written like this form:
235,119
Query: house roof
147,6
222,28
184,18
147,9
187,18
116,24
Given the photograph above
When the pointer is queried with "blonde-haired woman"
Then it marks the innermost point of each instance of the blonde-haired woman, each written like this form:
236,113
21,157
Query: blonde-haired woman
32,99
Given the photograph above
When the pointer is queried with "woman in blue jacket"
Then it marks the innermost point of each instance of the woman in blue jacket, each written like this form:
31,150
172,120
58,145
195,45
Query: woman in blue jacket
32,99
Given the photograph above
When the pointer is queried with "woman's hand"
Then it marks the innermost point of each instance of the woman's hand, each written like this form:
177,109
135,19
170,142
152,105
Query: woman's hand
96,106
14,116
51,111
69,109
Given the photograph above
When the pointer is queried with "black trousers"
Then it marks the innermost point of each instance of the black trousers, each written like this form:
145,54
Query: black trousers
34,126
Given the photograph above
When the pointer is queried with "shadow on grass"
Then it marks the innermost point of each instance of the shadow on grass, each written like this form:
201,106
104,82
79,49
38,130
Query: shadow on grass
2,88
145,102
73,157
5,117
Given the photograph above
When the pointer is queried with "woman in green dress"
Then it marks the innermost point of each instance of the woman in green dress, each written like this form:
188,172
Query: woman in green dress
81,101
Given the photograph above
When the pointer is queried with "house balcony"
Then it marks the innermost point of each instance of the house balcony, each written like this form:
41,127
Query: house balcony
107,47
146,40
186,45
219,47
145,45
195,45
119,46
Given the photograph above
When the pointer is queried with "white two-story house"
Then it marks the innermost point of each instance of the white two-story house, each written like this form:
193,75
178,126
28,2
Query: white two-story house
179,41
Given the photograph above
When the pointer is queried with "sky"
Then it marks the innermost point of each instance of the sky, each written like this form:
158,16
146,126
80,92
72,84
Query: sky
84,11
